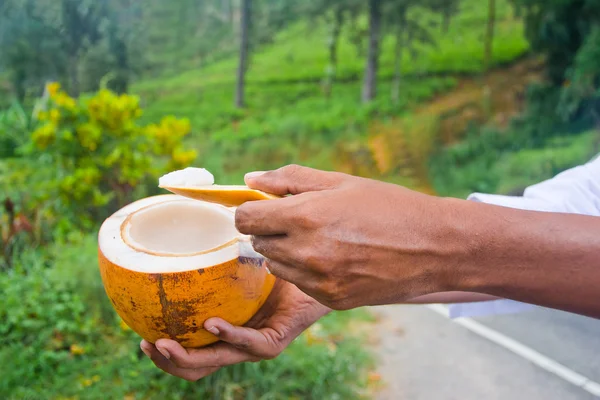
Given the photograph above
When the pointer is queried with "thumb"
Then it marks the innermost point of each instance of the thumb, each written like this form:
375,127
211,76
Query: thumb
246,339
292,179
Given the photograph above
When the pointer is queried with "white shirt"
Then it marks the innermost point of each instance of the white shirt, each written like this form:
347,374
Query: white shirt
574,191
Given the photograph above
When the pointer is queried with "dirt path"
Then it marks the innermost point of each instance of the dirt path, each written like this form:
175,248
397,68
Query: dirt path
403,146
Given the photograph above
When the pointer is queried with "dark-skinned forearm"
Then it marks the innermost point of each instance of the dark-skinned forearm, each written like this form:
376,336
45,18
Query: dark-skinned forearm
548,259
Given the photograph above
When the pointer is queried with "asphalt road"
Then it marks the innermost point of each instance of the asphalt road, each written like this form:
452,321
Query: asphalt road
424,355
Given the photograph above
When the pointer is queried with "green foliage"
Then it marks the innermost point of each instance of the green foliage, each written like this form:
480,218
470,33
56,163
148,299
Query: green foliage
40,320
91,153
529,166
491,161
59,338
291,124
66,40
289,118
558,28
15,125
567,33
580,99
29,47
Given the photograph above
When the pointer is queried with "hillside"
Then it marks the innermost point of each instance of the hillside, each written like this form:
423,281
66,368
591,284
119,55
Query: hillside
289,119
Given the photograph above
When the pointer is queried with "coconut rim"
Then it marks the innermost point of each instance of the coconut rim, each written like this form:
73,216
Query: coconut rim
116,250
126,227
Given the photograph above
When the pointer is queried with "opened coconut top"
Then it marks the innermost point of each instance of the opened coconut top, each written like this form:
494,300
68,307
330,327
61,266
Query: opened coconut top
199,184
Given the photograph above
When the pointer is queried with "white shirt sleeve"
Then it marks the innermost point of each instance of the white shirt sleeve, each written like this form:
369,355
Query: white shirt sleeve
575,191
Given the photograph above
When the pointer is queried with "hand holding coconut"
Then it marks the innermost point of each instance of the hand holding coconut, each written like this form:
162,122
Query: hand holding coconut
287,313
338,241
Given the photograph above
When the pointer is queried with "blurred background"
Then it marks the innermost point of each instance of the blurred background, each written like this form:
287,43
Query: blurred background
100,97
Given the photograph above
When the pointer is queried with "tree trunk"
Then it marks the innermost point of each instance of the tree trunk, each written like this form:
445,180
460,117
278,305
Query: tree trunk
243,57
121,81
398,57
489,37
20,78
74,75
228,10
332,47
369,90
447,15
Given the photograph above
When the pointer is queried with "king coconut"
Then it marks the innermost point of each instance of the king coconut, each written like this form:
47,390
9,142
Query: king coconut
170,262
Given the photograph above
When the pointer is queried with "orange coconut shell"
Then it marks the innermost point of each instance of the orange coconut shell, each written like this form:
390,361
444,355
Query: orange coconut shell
175,305
230,196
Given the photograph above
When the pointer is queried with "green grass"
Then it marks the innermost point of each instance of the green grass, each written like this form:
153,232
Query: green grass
299,53
492,170
114,368
527,167
67,305
288,119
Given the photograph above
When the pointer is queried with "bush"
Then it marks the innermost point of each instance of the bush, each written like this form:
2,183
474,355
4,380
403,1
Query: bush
60,338
91,153
493,162
15,125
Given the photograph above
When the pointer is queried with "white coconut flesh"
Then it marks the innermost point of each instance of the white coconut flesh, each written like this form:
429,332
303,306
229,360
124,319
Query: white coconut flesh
189,177
172,234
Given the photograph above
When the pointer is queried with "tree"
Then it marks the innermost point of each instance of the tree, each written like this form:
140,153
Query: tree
80,22
448,9
401,32
410,27
243,53
30,47
558,29
337,20
489,35
124,36
334,14
369,90
566,34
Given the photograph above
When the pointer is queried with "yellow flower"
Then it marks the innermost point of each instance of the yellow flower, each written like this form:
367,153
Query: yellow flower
89,135
183,157
87,382
77,350
53,88
65,101
44,135
54,116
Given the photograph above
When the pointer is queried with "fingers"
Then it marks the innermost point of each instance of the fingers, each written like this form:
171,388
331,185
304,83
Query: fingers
217,355
239,344
264,217
252,341
275,248
293,179
287,272
164,364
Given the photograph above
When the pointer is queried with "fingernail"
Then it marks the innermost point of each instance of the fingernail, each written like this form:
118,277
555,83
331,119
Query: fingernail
213,330
252,175
146,352
164,352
